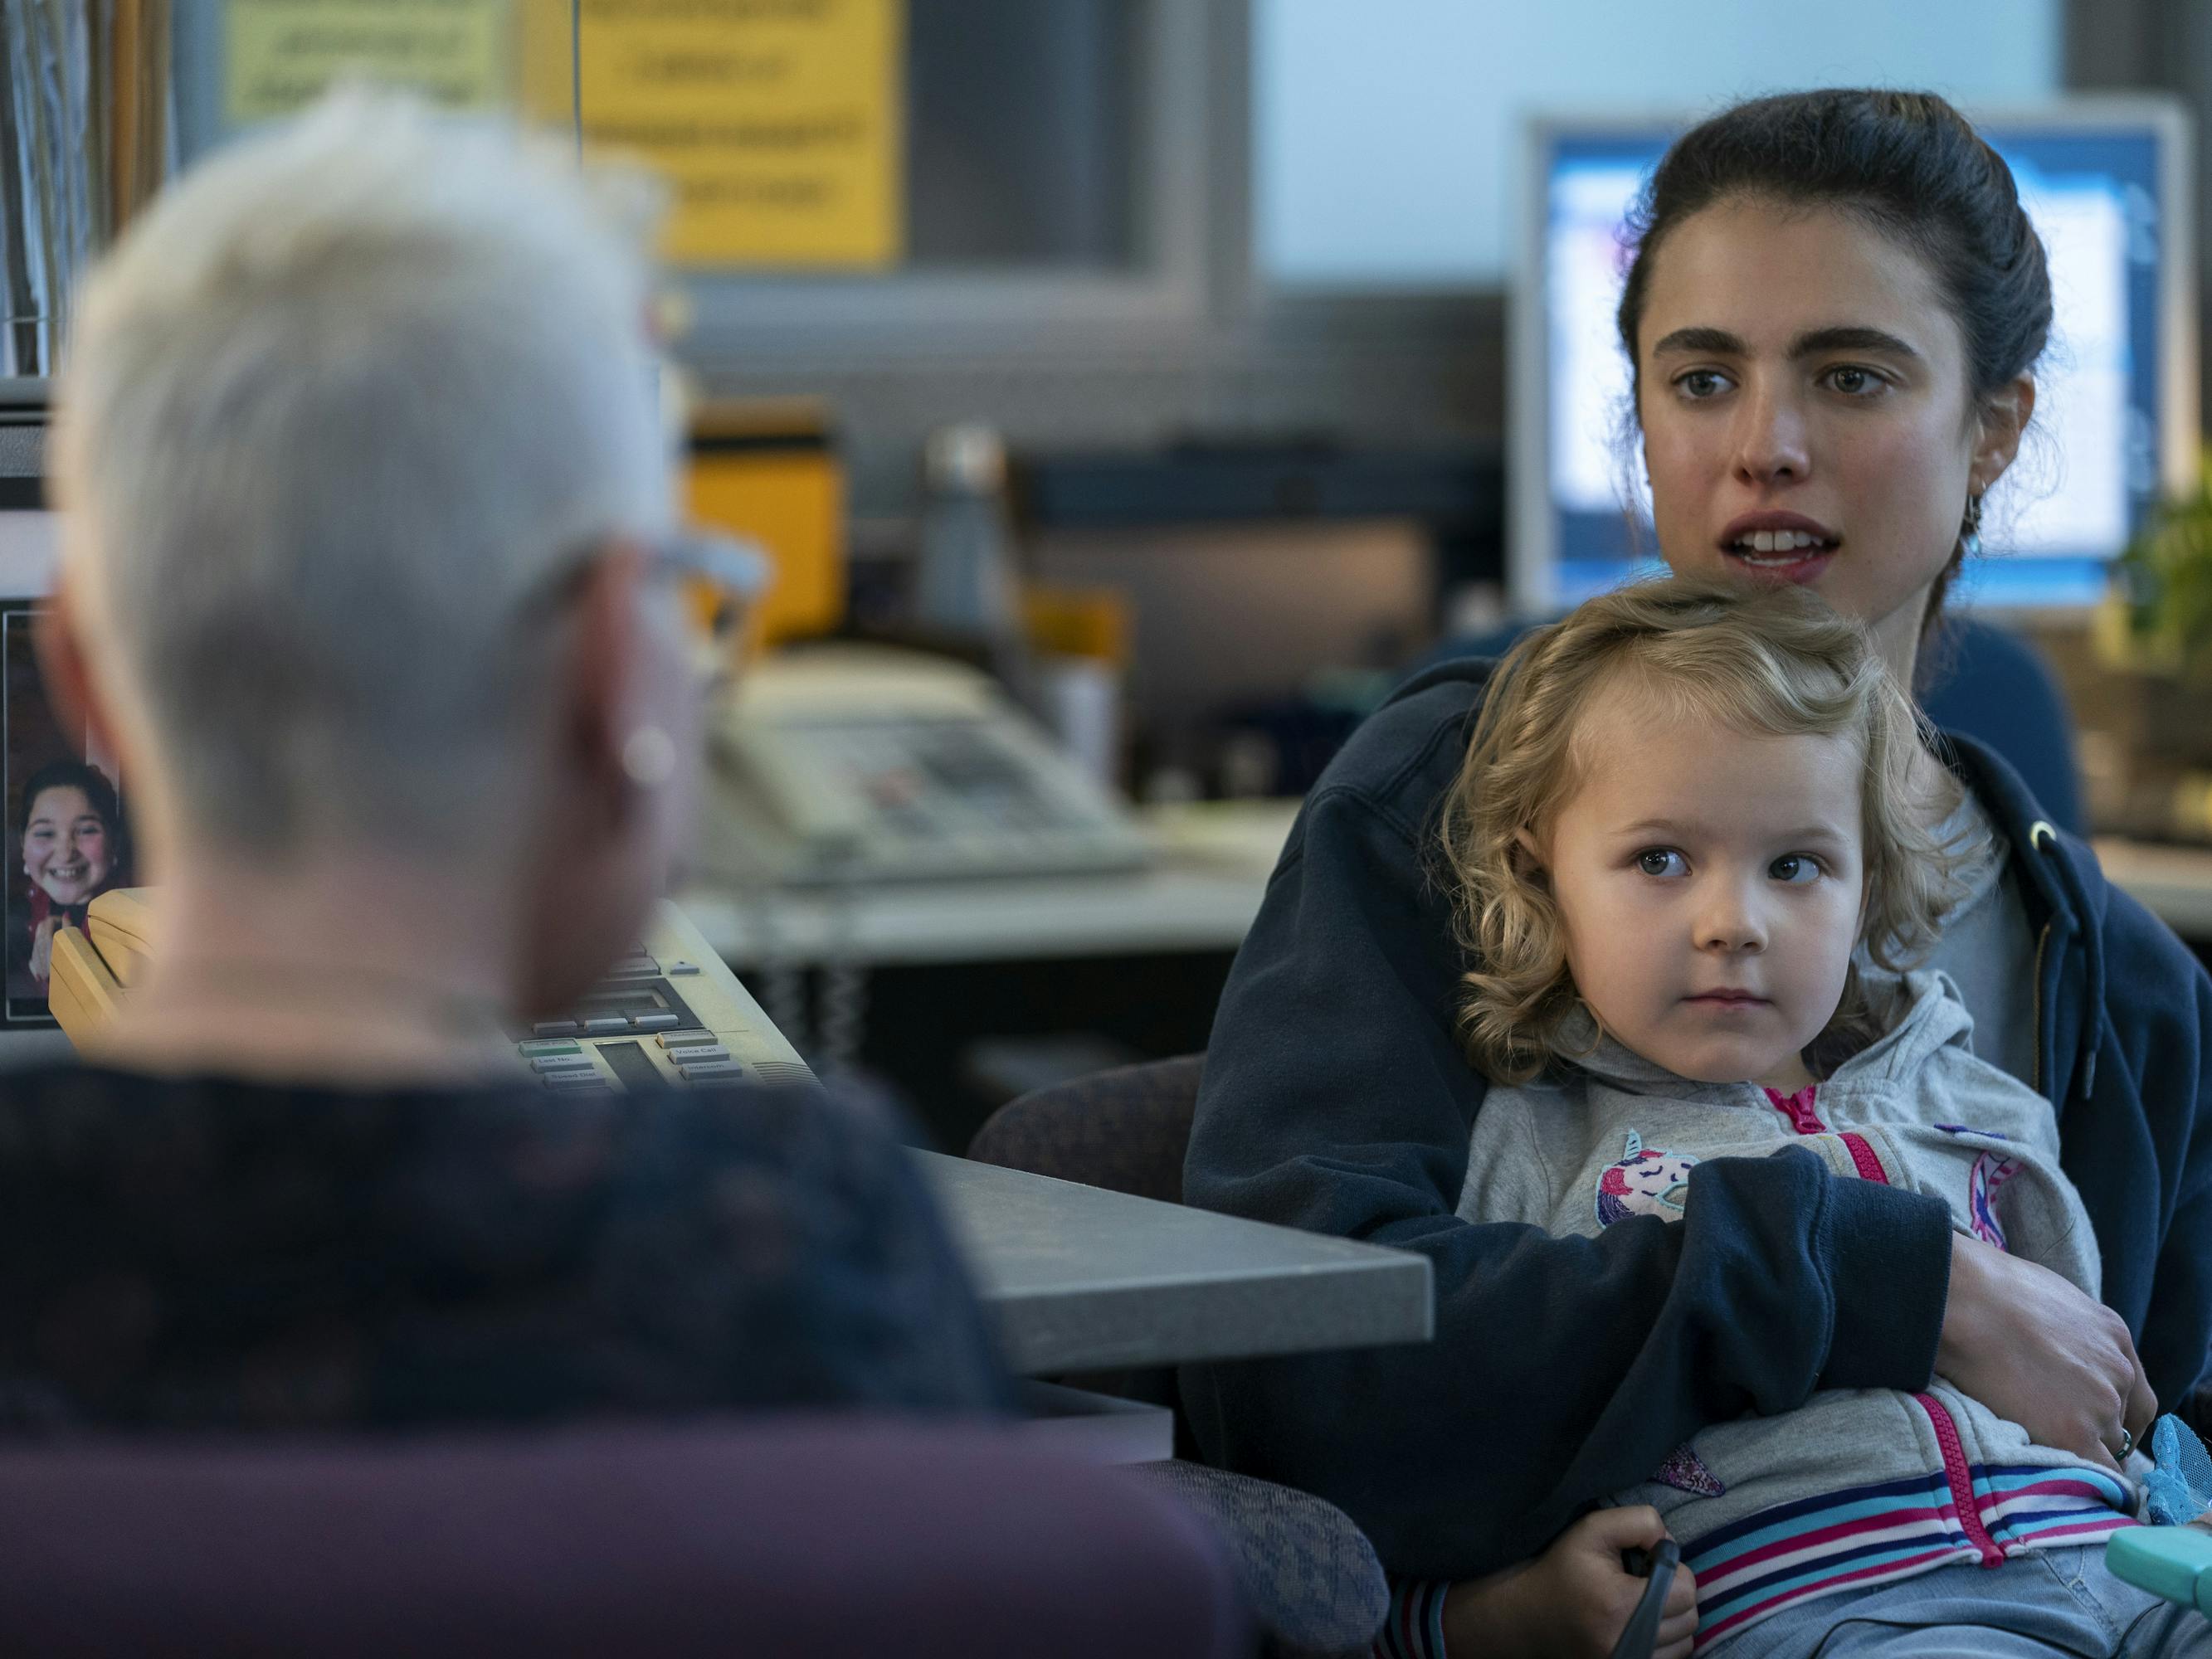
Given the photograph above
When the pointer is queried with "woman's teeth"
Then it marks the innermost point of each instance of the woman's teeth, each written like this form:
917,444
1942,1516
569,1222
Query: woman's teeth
1779,541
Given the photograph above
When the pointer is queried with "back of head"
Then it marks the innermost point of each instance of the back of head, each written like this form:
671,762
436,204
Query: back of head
336,407
1772,662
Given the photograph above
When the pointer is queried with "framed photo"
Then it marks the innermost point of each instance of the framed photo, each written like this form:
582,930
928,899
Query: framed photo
68,839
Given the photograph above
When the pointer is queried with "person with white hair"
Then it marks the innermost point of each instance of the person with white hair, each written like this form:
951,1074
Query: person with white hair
368,582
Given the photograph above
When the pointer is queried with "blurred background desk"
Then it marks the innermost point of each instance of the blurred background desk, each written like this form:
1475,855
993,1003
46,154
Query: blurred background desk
1201,895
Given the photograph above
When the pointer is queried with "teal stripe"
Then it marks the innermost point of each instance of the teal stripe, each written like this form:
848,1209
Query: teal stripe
1935,1495
2051,1523
2104,1484
1826,1567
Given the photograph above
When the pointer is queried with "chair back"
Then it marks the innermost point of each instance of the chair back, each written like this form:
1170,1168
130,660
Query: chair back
1126,1129
800,1534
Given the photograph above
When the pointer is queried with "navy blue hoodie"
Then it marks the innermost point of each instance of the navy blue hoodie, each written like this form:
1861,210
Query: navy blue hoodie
1339,1098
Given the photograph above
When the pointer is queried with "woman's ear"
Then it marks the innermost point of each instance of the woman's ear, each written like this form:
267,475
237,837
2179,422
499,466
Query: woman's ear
2004,417
600,679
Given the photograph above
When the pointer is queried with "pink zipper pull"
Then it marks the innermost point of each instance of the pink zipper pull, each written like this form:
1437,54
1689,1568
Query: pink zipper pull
1798,1108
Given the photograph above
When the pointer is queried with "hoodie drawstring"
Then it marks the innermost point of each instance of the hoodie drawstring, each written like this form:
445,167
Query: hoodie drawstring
2045,840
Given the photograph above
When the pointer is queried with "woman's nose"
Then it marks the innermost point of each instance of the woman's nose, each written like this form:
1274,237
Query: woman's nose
1770,437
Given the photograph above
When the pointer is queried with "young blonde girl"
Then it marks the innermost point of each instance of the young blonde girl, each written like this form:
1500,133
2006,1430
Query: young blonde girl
1688,849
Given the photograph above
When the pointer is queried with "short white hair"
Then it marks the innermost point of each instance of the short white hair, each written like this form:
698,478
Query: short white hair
338,405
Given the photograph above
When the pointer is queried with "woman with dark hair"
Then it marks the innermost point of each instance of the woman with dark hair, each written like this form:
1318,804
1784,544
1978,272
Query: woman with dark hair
1834,314
70,825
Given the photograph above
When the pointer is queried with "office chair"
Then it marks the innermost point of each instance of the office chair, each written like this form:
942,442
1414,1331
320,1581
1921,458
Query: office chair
840,1535
1308,1573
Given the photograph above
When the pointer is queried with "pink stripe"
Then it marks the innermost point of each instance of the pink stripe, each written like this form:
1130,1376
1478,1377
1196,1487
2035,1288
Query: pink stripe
1896,1569
1840,1529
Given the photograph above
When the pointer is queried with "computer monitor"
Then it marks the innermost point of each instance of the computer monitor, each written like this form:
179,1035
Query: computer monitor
66,838
2105,182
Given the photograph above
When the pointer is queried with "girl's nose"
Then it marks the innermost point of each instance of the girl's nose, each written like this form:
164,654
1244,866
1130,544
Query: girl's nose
1729,921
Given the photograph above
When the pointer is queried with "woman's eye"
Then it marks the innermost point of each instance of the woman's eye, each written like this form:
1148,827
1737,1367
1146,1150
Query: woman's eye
1701,383
1795,868
1662,861
1856,382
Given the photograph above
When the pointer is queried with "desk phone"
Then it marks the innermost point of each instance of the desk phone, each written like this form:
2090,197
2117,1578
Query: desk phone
857,763
669,1013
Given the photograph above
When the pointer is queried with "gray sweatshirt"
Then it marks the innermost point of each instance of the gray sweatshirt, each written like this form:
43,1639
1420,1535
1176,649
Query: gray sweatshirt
1855,1487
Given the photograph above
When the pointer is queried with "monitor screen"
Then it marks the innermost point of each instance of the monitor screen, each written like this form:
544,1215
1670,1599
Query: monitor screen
2115,419
67,838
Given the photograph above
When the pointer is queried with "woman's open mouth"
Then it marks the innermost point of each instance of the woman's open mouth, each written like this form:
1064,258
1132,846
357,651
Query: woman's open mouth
1784,546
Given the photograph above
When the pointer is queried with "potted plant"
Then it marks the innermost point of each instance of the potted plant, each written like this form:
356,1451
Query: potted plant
2154,713
2165,577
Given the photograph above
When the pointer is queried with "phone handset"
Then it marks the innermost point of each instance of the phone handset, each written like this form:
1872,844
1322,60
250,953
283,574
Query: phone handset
818,811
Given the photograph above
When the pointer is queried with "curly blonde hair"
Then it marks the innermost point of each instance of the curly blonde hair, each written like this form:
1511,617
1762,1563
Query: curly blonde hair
1774,661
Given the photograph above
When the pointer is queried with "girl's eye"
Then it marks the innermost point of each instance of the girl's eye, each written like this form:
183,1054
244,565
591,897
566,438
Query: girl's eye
1700,384
1662,861
1794,868
1856,382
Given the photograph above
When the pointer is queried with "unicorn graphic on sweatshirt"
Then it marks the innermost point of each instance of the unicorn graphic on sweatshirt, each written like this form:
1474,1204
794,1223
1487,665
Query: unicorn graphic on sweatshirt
1643,1181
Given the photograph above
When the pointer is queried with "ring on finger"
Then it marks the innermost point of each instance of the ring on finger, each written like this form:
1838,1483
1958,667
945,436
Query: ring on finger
2127,1442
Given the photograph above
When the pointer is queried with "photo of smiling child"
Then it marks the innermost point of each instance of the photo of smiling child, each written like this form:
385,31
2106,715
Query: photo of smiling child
68,840
70,829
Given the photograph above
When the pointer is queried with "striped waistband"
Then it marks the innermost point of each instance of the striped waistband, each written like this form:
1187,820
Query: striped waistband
1874,1534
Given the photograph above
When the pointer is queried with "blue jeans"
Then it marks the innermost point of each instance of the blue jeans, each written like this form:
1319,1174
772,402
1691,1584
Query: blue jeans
2037,1605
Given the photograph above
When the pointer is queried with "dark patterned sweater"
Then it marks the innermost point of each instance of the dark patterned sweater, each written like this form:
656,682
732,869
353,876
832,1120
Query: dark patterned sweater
226,1256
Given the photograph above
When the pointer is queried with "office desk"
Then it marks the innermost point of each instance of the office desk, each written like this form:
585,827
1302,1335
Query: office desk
1081,1279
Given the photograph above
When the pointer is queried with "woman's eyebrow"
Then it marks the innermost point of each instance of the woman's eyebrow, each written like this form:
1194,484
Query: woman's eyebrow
1843,336
1851,338
1715,341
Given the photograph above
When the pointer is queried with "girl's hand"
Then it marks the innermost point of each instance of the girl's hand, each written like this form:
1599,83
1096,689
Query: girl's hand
1574,1600
42,949
2034,1349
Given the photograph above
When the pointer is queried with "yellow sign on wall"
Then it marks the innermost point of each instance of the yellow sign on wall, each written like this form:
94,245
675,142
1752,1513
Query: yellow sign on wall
779,124
279,55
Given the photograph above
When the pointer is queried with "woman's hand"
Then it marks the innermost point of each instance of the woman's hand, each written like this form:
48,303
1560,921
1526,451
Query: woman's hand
1574,1600
42,949
2035,1350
